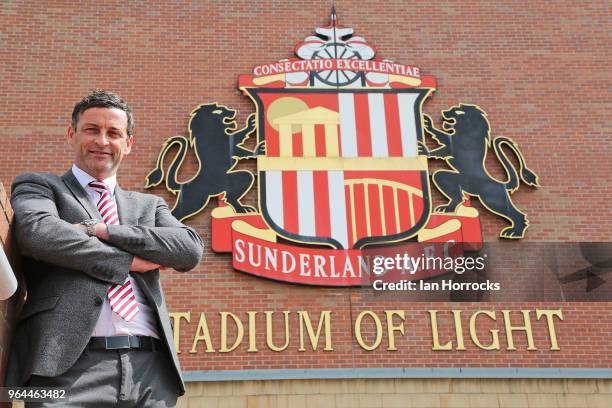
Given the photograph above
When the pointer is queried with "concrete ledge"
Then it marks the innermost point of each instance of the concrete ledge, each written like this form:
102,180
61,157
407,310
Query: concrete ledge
347,373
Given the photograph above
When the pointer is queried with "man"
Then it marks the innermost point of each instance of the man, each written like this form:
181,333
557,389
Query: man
95,320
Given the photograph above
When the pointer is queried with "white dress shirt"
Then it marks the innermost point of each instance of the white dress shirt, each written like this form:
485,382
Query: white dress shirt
110,323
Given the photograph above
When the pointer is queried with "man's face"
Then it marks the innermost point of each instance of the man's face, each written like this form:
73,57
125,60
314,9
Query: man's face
100,141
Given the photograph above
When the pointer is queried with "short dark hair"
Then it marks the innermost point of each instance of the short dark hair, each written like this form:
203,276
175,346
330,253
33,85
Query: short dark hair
99,98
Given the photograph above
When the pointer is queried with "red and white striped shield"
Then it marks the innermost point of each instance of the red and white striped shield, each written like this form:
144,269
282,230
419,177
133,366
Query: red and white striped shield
342,165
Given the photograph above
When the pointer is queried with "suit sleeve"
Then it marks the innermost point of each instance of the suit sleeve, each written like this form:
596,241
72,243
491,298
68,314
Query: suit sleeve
41,234
169,243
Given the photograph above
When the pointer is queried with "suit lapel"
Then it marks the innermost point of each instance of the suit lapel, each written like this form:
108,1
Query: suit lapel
79,193
128,214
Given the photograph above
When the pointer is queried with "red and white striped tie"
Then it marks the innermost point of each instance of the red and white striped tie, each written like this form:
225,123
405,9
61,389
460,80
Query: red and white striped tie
121,297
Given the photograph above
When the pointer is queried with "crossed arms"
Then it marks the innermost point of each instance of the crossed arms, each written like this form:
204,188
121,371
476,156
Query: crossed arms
41,234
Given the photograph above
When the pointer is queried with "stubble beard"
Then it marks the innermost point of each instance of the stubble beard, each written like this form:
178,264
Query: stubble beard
102,167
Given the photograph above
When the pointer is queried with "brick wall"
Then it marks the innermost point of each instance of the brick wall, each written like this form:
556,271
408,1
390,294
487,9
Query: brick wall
401,393
537,68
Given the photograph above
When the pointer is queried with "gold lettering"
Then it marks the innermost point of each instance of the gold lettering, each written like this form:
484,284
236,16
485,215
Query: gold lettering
239,332
551,325
494,332
526,328
358,335
269,331
458,330
252,332
435,335
176,327
202,333
324,319
392,328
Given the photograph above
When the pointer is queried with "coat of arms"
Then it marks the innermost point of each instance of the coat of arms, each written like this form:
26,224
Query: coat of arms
342,165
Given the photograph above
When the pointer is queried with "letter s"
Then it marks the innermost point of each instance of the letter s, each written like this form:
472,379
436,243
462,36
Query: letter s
239,251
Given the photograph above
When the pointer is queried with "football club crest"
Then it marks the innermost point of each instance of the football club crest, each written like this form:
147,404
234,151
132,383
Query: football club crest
342,166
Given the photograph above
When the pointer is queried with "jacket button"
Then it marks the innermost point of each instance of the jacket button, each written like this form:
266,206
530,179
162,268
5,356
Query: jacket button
98,301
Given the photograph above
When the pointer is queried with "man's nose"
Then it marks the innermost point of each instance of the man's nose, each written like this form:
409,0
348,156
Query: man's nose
102,139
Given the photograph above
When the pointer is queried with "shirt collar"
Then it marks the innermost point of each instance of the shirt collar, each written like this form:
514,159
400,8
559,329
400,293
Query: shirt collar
84,179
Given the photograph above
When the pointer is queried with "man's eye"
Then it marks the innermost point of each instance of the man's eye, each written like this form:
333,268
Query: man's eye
90,130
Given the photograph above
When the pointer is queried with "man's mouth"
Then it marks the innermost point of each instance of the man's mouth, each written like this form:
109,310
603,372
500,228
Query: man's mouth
98,153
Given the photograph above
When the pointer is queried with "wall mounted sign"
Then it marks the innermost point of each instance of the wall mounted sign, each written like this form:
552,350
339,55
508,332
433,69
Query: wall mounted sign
342,166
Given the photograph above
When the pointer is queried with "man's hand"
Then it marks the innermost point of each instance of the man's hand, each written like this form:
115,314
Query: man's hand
80,227
101,231
142,265
99,228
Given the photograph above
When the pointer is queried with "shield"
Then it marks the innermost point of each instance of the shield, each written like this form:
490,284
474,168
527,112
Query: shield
341,166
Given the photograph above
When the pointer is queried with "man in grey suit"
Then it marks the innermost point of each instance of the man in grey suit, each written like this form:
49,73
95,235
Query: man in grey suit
95,320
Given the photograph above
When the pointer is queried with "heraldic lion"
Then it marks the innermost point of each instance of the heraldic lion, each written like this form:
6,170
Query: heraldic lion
218,148
464,142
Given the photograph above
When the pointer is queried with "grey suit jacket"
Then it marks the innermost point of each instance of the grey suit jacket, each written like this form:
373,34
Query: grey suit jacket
68,273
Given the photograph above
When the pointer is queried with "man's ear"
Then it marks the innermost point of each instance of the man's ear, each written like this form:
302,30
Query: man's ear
130,142
70,134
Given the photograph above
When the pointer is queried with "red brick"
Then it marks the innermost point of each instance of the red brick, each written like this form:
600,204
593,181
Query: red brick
534,67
